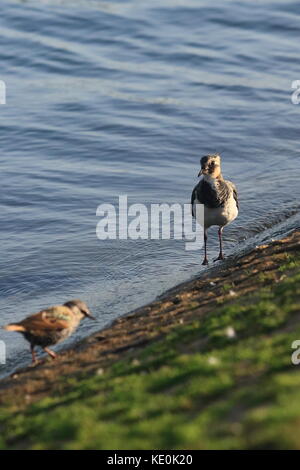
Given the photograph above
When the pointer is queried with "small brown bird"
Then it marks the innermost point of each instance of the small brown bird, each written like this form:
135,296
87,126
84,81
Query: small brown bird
51,326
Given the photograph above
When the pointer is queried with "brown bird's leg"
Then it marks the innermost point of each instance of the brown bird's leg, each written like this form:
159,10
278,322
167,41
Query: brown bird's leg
34,359
221,256
51,353
205,261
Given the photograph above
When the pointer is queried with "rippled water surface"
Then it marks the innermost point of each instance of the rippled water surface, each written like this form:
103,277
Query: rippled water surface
124,97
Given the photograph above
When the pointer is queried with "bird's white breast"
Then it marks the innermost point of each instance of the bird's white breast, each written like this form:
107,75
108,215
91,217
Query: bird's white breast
220,216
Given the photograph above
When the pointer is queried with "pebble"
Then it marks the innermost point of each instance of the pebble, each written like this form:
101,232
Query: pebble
230,332
213,361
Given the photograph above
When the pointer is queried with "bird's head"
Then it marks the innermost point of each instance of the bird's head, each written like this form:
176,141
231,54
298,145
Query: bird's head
79,308
210,165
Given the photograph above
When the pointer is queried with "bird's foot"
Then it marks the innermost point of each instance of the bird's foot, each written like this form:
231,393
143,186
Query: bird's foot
220,257
51,353
34,359
205,262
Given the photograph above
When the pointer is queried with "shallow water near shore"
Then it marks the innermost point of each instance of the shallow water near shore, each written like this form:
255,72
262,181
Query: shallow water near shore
110,98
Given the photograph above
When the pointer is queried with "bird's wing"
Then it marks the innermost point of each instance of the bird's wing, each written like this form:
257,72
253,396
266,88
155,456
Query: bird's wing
235,193
199,193
193,197
210,195
53,318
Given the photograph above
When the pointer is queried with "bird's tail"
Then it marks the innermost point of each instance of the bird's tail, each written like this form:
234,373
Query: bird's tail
14,327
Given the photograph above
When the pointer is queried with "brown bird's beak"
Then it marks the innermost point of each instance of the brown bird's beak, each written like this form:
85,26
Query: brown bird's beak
89,315
200,173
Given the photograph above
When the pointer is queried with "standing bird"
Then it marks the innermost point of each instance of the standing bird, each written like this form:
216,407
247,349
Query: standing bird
218,196
51,326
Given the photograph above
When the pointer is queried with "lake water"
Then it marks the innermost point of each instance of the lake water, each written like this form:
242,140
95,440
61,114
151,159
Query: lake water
124,97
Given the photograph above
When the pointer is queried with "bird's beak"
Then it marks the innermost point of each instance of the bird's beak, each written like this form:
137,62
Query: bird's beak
200,173
89,315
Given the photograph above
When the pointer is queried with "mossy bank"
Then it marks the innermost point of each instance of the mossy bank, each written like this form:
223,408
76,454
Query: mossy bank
208,366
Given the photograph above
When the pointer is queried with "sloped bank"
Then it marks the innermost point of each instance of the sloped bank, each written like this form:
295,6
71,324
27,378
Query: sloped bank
207,366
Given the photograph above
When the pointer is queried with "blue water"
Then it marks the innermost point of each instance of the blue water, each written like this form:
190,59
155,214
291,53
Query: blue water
124,97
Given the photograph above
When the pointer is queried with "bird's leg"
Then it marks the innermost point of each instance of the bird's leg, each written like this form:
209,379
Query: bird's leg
51,353
205,261
34,359
221,256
